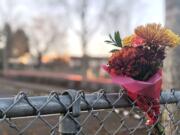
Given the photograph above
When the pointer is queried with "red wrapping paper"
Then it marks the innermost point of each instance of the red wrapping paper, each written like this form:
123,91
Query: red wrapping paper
146,94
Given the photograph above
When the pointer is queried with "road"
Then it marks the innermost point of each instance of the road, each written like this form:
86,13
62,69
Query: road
11,87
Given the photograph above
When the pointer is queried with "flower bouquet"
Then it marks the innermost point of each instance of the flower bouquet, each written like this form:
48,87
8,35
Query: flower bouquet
137,66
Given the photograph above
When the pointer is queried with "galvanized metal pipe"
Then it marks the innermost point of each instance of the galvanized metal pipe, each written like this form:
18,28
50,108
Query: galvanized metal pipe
22,108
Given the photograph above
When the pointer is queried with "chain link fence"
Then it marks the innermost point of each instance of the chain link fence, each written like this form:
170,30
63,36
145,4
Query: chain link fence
76,112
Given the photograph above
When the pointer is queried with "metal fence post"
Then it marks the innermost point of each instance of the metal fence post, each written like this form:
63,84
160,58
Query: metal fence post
69,124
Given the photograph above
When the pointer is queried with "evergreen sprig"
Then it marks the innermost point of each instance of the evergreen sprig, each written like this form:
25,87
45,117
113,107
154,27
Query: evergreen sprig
116,41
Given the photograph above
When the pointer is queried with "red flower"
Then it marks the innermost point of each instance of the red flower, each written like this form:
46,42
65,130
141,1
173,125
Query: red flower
137,41
140,62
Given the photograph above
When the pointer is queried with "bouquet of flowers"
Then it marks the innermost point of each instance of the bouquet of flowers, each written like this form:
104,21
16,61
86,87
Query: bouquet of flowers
137,65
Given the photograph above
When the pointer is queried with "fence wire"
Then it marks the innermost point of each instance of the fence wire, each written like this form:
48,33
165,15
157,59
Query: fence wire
77,113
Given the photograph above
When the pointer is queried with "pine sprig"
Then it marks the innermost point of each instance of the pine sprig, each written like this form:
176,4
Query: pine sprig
116,41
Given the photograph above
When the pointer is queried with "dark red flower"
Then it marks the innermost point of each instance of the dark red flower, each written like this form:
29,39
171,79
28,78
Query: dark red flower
139,62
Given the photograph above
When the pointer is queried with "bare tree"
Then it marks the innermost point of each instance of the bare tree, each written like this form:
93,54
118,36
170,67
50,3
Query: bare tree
90,17
7,16
118,15
44,33
84,35
8,42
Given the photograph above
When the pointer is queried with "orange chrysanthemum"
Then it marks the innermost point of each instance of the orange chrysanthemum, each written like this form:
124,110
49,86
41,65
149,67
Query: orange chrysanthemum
158,35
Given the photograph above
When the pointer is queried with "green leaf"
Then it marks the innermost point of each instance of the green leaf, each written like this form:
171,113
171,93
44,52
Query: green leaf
117,39
111,38
114,50
107,41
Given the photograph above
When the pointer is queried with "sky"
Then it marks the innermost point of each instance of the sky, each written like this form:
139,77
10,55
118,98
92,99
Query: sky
143,12
21,13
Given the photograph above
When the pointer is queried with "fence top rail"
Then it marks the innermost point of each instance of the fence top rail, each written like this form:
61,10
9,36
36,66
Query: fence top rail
75,101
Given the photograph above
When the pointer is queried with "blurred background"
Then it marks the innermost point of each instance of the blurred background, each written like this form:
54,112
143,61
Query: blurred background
50,45
62,41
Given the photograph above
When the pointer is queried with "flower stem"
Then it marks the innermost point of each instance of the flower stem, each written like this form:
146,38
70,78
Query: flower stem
159,129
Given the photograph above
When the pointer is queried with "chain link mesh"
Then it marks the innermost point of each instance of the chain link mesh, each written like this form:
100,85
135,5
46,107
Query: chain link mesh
74,112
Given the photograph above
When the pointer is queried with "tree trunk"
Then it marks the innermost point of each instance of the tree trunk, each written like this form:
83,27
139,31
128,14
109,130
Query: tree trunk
84,41
171,74
7,47
39,61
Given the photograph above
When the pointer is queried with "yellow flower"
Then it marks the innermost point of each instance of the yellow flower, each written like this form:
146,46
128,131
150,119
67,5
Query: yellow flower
174,39
127,40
